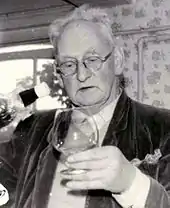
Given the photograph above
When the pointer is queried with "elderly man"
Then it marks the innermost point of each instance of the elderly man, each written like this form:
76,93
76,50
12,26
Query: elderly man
89,67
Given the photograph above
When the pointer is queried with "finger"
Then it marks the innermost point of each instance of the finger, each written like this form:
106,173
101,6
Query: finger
92,165
85,185
86,176
92,154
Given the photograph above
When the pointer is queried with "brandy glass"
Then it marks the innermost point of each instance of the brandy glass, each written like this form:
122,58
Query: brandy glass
74,130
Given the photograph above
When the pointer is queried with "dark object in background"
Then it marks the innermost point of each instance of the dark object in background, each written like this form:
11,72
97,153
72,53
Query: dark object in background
28,96
8,103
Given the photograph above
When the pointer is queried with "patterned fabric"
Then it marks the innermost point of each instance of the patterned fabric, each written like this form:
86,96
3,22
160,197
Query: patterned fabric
143,14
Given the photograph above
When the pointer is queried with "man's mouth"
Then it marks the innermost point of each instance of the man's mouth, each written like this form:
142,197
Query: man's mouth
82,89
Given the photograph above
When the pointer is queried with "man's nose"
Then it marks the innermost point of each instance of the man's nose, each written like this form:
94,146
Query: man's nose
83,73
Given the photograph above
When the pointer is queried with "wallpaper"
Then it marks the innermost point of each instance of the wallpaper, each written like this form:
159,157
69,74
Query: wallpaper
142,20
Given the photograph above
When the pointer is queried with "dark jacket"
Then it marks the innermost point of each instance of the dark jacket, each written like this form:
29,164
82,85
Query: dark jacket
135,128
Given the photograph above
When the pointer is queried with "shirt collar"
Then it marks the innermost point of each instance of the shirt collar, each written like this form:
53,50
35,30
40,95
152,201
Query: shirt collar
106,113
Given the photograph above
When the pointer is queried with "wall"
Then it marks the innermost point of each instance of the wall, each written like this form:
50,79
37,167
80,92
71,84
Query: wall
143,29
28,21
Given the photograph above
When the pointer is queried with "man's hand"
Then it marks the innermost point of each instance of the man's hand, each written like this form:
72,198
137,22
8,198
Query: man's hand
107,168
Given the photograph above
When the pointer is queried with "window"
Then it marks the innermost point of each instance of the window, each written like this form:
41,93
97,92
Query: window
27,65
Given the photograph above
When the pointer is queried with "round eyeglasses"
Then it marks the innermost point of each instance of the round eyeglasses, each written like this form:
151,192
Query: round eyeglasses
93,63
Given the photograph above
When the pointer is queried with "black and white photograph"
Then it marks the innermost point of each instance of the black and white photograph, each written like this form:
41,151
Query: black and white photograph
85,104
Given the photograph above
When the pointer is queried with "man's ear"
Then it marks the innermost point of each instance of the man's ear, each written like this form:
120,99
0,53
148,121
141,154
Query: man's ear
118,60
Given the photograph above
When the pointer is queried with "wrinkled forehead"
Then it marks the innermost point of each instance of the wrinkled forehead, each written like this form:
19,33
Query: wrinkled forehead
80,37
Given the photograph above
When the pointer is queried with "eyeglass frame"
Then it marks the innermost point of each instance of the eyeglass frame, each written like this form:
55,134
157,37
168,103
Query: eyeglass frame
103,60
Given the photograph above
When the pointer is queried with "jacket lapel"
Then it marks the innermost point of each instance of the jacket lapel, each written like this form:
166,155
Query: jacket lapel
47,166
44,177
121,131
119,120
37,136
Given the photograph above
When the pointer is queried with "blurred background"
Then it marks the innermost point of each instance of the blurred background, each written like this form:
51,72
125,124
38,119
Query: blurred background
141,27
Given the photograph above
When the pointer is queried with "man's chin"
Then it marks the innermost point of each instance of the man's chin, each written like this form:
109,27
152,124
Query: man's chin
89,97
89,103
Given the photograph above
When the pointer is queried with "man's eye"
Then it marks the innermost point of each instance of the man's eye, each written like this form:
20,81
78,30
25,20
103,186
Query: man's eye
68,64
92,59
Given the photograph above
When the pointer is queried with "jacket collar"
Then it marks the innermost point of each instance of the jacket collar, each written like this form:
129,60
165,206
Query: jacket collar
120,116
119,120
